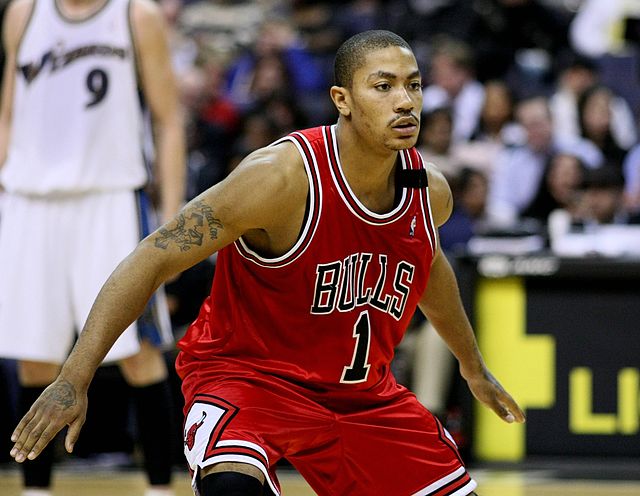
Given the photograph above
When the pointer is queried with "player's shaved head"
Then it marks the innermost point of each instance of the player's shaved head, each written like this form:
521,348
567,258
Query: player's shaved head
352,53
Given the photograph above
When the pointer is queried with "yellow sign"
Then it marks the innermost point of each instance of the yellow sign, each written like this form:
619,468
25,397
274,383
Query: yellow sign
524,364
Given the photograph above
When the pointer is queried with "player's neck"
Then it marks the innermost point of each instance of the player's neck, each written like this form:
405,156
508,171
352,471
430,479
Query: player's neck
369,172
362,162
80,9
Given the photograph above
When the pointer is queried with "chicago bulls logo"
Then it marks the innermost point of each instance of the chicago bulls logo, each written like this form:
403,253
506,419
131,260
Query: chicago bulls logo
190,437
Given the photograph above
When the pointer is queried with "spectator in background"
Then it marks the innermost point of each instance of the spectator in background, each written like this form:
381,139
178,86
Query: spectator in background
222,27
519,169
361,15
278,60
559,188
452,83
435,140
594,119
495,129
258,130
469,189
631,172
422,20
287,115
516,40
207,141
219,109
576,75
609,32
602,199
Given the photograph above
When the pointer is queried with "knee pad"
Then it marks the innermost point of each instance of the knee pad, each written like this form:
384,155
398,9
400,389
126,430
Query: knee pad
230,484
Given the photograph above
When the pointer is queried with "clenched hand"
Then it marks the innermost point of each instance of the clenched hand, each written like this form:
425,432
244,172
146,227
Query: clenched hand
59,405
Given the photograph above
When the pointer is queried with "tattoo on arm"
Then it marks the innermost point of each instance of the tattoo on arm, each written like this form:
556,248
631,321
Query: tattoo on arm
63,395
189,228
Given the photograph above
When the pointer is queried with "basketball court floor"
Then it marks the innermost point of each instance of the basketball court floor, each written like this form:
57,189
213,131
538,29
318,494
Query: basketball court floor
576,478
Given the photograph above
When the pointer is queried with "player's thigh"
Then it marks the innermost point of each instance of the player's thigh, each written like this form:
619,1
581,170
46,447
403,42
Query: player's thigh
253,420
35,309
397,448
107,230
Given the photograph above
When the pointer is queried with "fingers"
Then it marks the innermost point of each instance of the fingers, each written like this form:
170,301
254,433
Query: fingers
32,435
515,410
492,394
73,433
15,435
502,411
507,409
32,439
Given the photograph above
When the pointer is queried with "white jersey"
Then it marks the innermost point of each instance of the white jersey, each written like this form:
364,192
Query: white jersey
77,121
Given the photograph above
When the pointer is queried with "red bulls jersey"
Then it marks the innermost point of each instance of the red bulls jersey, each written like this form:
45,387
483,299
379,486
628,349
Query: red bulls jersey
330,311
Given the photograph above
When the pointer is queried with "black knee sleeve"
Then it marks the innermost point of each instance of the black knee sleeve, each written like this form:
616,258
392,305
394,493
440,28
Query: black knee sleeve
154,419
230,484
36,473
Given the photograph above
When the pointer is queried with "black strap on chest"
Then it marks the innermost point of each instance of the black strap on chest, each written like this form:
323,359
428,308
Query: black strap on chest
411,178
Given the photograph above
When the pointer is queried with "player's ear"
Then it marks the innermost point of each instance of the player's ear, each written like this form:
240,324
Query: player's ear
340,97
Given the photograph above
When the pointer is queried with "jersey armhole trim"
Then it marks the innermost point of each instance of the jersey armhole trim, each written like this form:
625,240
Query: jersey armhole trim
427,216
312,219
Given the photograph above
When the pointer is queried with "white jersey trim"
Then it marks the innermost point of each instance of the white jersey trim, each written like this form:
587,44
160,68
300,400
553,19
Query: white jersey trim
311,222
432,231
391,216
466,489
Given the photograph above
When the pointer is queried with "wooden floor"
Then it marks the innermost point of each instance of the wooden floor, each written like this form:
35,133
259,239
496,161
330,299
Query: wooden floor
491,483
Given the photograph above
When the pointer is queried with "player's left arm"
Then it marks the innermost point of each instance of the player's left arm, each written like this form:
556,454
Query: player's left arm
442,305
161,94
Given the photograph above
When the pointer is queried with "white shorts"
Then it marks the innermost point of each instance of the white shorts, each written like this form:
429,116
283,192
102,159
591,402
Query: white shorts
55,255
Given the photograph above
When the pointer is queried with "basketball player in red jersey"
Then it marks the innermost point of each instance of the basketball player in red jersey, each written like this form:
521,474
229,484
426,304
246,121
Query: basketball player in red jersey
327,243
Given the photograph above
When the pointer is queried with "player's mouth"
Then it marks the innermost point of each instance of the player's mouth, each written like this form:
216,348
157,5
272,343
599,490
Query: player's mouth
406,126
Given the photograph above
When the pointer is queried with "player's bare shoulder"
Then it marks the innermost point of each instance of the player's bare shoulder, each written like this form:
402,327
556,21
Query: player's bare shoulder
145,10
439,195
147,22
279,181
15,22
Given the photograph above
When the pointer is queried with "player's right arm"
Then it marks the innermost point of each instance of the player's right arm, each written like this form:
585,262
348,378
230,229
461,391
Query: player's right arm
13,26
259,200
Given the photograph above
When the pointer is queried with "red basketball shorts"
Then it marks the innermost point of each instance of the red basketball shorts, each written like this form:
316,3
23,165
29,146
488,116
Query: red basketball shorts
382,443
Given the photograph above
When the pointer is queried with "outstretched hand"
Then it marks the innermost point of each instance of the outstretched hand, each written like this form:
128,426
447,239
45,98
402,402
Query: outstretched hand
486,388
59,405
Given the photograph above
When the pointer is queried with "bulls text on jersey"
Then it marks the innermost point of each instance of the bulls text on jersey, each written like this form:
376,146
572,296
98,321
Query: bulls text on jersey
342,285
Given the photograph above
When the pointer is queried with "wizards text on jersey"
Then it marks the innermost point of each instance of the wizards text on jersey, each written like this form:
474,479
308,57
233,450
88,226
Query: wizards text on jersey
342,285
58,58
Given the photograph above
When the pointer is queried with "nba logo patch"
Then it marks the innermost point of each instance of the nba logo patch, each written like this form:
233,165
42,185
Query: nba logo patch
412,227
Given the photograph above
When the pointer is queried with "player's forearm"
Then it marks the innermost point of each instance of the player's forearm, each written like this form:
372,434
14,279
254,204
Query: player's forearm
443,307
120,302
171,165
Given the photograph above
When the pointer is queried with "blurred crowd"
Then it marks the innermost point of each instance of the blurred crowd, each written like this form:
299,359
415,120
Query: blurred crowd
529,106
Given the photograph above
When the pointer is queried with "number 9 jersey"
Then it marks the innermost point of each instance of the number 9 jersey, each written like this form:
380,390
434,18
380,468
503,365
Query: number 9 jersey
329,312
75,95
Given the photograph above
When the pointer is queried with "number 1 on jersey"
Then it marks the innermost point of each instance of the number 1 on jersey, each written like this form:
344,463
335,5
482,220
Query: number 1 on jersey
359,368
